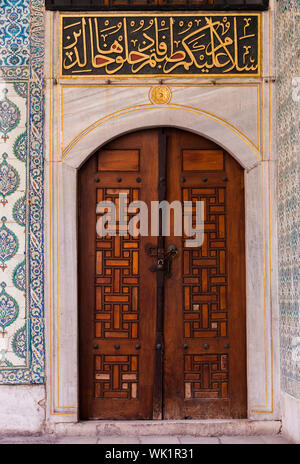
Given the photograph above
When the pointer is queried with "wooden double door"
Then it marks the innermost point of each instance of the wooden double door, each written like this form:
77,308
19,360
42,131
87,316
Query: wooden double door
162,323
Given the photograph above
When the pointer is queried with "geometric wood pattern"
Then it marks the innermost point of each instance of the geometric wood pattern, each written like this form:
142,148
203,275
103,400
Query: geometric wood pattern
206,376
116,376
204,326
204,269
117,291
117,276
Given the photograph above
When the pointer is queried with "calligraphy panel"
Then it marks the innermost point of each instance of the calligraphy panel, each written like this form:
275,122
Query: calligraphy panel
198,45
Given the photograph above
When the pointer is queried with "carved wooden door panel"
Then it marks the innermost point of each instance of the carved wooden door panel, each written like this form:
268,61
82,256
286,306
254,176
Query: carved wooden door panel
153,345
117,293
204,363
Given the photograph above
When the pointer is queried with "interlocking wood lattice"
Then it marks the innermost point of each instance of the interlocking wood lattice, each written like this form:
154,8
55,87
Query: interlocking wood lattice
116,376
204,269
117,276
206,376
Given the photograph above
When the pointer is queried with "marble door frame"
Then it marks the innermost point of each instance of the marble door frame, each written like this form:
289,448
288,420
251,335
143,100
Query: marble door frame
81,116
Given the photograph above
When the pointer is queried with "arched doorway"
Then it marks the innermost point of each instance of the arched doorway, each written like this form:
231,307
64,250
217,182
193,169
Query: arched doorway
159,337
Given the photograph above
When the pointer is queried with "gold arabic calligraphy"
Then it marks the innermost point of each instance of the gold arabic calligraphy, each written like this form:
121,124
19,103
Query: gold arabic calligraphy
155,45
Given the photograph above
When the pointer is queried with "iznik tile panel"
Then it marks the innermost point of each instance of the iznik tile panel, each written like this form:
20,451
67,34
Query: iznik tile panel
288,151
14,36
21,192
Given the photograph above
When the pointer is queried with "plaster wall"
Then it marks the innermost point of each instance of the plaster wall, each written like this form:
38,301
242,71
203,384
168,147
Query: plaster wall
290,417
22,408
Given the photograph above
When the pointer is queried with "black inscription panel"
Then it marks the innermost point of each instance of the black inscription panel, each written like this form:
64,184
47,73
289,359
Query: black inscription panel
198,45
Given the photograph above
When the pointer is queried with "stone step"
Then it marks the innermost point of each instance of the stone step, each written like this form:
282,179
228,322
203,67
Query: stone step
196,428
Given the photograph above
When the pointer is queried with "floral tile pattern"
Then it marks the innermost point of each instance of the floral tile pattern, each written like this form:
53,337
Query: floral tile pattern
14,32
9,179
21,192
288,149
9,115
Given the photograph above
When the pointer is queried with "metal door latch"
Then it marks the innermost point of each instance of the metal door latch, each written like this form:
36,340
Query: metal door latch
164,258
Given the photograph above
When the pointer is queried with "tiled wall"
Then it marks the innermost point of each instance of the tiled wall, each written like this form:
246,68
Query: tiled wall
288,150
21,192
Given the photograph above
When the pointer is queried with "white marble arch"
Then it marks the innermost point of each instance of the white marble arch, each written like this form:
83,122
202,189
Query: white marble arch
61,259
146,116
